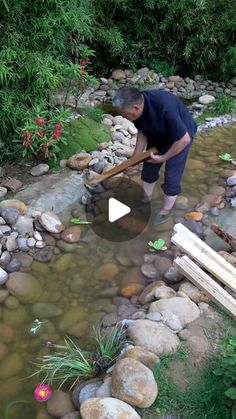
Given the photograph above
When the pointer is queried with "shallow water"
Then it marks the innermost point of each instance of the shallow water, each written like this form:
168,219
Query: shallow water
71,281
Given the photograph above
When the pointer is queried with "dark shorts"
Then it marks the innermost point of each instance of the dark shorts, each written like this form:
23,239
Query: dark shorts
174,169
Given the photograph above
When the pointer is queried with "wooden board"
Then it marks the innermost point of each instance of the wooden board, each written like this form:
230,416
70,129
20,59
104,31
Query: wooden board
224,235
199,255
133,161
204,255
203,281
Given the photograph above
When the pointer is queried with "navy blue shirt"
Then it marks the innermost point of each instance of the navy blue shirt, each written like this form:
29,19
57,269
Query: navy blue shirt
164,120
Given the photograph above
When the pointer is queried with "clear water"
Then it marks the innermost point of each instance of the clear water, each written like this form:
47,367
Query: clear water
70,282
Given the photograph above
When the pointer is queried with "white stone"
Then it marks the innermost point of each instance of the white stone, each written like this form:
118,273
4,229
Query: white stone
3,276
39,170
107,122
51,222
107,408
132,130
3,191
183,308
206,99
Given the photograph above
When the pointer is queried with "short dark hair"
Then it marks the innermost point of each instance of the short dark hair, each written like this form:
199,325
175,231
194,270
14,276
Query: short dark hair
126,97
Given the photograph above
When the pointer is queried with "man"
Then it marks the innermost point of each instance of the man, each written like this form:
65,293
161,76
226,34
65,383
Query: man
163,122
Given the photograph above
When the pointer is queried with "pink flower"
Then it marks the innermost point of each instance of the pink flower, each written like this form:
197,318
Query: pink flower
42,392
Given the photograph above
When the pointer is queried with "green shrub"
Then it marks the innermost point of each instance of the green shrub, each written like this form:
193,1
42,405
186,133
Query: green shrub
224,104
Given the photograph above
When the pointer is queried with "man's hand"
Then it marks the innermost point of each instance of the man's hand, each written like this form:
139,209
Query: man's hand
155,158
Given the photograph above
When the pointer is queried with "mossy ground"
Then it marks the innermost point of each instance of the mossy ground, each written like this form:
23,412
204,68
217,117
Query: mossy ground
83,133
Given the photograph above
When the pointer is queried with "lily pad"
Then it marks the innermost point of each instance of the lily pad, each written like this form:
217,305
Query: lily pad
158,244
226,157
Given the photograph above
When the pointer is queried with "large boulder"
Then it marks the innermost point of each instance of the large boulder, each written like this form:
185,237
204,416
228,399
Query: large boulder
118,75
24,287
134,383
181,308
206,99
107,408
153,336
79,161
147,358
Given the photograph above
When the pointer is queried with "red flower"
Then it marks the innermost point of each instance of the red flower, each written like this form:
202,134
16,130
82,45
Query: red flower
40,121
26,135
58,126
27,143
41,133
84,62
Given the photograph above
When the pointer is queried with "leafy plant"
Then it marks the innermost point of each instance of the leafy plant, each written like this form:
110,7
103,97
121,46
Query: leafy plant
70,363
42,136
227,369
226,157
224,104
163,67
159,244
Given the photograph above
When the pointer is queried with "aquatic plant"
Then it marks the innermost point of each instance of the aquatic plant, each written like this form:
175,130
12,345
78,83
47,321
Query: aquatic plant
159,244
79,221
70,363
226,157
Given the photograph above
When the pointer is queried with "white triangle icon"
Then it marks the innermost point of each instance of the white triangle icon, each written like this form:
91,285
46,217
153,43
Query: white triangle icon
116,210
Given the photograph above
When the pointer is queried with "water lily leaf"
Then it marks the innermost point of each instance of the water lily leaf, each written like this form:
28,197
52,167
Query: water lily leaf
79,221
158,244
226,157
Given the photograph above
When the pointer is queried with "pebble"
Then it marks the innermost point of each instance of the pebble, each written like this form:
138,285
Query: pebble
5,258
4,229
11,244
14,265
37,236
39,170
3,191
22,243
31,242
3,276
10,215
2,221
51,222
214,211
40,244
44,254
24,225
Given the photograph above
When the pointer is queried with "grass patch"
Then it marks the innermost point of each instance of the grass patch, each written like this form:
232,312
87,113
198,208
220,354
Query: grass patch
223,104
82,134
204,398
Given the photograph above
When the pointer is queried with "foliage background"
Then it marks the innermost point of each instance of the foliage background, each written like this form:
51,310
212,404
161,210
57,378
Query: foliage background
40,39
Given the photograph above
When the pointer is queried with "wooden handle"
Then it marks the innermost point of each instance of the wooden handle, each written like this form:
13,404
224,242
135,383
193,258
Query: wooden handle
133,161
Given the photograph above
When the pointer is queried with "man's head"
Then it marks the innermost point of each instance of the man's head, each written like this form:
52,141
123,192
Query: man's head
129,102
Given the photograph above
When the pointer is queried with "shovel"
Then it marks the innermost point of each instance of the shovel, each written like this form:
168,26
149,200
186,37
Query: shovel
133,161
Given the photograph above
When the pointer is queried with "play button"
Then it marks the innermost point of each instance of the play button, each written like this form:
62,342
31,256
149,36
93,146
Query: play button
118,214
116,210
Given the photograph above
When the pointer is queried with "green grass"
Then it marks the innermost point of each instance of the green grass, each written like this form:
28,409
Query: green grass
223,104
82,134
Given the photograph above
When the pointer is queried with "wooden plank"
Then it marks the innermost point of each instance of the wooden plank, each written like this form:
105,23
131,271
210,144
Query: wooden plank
180,228
199,254
203,281
133,161
227,237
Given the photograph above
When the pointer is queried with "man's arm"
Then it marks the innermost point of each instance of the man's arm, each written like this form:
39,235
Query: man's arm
140,143
176,148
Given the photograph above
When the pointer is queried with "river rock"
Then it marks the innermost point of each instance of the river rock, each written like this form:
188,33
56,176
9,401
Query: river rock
149,270
3,276
107,271
3,295
206,99
24,225
15,318
59,404
22,243
105,389
231,181
10,366
10,215
162,264
5,258
71,234
70,318
118,74
148,293
66,247
39,170
25,259
4,229
3,350
11,302
3,191
183,308
31,242
14,203
6,333
51,222
134,383
164,292
153,336
107,407
193,293
194,226
88,391
11,244
147,358
24,287
195,215
79,161
44,255
71,415
10,388
46,310
63,263
43,414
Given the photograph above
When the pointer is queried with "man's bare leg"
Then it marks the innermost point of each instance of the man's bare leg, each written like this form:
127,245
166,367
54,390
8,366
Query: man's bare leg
169,202
148,191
